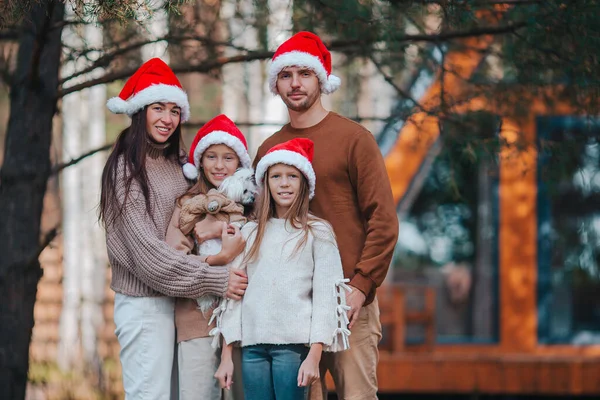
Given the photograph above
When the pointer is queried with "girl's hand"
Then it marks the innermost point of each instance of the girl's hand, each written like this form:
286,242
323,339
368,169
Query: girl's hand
232,244
225,373
309,370
208,228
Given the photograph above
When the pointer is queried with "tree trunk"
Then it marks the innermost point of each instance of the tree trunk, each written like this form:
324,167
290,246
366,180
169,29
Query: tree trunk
94,275
23,180
69,345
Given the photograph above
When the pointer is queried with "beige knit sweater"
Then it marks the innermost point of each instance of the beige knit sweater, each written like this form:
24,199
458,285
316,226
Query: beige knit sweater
143,264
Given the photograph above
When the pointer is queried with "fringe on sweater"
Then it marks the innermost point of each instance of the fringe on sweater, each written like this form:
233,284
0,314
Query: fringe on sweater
339,337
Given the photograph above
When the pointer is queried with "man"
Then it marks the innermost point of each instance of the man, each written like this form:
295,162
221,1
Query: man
352,193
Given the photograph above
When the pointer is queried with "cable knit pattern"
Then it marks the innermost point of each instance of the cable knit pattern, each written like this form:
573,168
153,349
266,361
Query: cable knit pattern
143,265
291,297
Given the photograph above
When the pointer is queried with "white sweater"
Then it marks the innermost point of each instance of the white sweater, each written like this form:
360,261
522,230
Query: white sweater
292,297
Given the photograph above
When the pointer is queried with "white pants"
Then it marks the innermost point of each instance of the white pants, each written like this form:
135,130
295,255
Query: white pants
146,333
197,362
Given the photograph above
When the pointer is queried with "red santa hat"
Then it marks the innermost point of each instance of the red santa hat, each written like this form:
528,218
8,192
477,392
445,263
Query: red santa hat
304,49
219,130
297,153
153,82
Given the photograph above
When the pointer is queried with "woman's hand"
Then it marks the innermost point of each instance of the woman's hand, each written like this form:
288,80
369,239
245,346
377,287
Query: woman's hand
238,282
208,228
309,370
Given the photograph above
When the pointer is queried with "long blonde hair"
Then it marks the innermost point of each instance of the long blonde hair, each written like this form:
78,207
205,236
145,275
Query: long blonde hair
297,215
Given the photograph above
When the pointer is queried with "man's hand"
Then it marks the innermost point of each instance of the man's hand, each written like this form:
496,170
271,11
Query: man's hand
238,282
355,299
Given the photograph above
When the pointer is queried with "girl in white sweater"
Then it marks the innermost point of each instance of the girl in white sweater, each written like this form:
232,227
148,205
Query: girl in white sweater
294,307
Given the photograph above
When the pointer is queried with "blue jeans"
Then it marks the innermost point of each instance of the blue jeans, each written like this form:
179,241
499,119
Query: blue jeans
270,372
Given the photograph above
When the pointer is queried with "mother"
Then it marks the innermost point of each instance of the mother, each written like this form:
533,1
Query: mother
140,183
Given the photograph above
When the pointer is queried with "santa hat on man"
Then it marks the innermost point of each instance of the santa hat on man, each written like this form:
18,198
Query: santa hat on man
153,82
219,130
304,49
297,153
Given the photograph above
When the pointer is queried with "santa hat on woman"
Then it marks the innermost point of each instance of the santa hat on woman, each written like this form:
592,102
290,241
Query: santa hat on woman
297,153
153,82
219,130
306,50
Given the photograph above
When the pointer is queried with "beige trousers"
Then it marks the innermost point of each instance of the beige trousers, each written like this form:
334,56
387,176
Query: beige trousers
354,371
197,364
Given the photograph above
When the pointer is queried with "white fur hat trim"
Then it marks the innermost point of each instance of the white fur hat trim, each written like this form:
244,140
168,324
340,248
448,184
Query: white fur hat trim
222,137
289,158
152,94
306,60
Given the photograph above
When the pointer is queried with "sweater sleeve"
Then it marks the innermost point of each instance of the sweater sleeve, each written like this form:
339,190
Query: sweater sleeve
155,263
175,238
367,172
329,323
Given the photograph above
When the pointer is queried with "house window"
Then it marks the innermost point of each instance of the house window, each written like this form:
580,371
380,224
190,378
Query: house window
449,236
568,230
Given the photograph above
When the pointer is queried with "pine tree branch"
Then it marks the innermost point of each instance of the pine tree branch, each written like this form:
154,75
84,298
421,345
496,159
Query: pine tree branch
334,45
201,68
105,59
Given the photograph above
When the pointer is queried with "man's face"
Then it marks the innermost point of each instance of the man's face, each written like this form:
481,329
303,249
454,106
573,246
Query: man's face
299,88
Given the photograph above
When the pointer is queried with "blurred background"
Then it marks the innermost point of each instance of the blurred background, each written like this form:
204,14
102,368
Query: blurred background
486,113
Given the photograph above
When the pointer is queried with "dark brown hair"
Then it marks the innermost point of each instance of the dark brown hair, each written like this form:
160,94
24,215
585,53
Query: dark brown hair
131,149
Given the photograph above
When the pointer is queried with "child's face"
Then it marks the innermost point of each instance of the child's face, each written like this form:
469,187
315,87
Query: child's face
284,184
218,162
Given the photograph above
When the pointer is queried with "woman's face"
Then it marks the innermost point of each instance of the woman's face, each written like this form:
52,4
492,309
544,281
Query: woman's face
218,162
161,120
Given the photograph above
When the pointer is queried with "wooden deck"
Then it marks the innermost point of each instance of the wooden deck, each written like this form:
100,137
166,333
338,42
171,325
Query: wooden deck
489,373
501,368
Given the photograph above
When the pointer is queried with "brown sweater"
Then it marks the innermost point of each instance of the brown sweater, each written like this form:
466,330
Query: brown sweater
352,193
143,264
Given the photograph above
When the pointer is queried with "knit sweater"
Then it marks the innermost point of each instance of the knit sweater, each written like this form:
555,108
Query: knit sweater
143,265
353,194
292,296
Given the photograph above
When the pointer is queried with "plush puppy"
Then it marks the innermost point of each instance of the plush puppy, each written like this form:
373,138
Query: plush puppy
226,204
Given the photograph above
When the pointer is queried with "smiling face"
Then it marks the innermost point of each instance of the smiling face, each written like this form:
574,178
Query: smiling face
218,162
161,120
284,184
299,88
